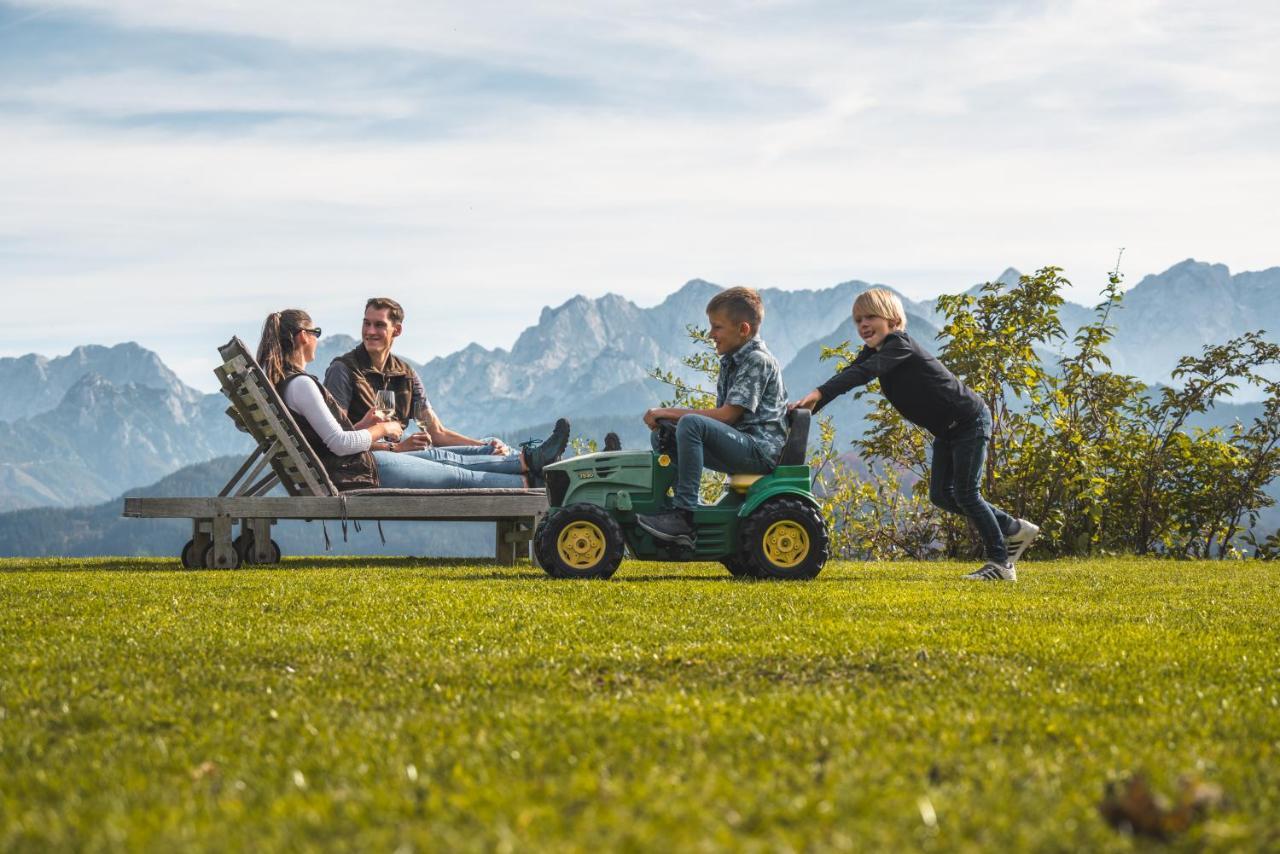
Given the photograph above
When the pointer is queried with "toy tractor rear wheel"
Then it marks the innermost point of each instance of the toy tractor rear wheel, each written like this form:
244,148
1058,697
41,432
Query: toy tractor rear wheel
579,541
785,538
739,566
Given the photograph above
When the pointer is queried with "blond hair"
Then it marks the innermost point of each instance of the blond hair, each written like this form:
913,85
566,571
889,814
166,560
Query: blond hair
881,302
741,305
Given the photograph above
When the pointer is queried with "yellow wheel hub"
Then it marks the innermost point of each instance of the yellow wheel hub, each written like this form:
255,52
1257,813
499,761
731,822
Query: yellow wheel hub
581,545
786,544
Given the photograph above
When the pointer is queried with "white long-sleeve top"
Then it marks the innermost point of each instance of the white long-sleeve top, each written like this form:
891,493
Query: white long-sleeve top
303,397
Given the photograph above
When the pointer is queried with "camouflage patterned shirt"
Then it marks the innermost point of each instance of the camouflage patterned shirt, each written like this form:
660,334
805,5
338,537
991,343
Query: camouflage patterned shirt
751,378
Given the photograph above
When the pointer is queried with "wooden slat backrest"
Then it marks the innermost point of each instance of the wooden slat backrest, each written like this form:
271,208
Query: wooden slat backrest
260,411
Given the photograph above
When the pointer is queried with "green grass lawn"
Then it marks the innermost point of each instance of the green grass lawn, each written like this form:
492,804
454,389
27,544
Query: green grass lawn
383,704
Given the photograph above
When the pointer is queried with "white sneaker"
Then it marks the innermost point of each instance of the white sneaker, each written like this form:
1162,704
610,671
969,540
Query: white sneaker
1020,540
992,571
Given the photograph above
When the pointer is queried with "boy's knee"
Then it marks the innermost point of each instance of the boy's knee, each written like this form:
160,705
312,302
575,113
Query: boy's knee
691,425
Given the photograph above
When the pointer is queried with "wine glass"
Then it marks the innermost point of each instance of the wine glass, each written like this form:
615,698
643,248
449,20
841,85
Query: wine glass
385,403
422,417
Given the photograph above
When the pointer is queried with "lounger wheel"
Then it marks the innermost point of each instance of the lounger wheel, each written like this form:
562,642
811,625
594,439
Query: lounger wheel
189,560
210,564
580,541
244,548
739,566
785,538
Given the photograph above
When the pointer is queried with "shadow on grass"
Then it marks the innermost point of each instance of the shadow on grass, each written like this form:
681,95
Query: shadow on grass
346,562
454,569
94,564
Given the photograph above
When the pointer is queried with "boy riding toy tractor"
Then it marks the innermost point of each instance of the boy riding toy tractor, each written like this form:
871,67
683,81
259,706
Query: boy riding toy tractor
763,526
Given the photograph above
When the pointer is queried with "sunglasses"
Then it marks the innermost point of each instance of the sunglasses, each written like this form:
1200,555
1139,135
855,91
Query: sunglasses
315,332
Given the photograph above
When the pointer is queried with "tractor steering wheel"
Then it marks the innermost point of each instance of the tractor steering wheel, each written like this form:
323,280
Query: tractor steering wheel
666,435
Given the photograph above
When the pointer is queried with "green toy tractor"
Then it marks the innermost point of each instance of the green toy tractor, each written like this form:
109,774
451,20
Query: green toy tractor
763,526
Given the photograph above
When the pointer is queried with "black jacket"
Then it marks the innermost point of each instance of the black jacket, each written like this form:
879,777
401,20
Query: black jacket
913,380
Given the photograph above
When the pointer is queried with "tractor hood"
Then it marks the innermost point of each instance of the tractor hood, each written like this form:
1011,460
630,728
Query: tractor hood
603,459
599,478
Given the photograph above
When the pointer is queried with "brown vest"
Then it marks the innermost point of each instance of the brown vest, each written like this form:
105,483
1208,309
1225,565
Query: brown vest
354,471
366,380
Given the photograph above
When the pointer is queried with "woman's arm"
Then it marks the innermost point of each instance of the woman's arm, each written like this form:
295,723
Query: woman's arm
305,400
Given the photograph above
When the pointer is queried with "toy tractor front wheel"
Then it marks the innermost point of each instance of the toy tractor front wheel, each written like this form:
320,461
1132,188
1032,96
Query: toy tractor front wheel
785,538
579,541
538,559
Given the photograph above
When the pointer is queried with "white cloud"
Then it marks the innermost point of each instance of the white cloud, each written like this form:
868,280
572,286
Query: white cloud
135,92
753,143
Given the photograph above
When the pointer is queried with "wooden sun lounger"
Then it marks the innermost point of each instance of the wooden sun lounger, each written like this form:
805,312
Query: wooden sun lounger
258,410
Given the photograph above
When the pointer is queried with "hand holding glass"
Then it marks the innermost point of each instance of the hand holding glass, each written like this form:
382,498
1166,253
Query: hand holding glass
385,404
422,417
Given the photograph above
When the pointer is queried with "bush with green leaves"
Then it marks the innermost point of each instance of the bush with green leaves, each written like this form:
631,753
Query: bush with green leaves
703,360
1103,462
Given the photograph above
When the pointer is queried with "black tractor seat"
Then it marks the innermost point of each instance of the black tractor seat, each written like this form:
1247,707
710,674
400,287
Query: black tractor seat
793,451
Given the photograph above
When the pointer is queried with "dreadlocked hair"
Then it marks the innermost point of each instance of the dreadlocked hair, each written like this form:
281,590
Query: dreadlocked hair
276,346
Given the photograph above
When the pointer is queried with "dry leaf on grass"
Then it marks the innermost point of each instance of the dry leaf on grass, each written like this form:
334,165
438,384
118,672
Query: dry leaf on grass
1132,805
205,769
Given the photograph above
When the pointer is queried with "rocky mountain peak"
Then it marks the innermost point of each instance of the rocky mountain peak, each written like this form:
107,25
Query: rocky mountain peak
331,347
578,328
86,392
1189,277
35,383
693,292
1010,277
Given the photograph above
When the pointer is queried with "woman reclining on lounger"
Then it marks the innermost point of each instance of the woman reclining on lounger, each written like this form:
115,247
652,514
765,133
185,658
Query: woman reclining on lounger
289,342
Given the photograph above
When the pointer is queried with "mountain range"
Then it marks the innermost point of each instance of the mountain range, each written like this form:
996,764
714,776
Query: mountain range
81,429
99,529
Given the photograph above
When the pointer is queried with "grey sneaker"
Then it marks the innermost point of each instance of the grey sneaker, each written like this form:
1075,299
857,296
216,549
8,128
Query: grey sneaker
1020,540
673,526
992,571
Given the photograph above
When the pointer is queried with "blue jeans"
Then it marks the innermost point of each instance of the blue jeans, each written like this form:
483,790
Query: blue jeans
703,441
475,457
959,459
410,471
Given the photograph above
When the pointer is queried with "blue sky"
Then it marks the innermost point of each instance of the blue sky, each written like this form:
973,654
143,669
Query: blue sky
174,171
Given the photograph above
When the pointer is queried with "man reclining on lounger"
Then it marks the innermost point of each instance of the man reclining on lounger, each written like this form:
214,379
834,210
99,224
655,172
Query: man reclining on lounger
355,378
347,449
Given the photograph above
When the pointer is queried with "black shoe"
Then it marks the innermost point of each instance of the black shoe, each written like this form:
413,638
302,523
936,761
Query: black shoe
612,442
546,453
673,526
